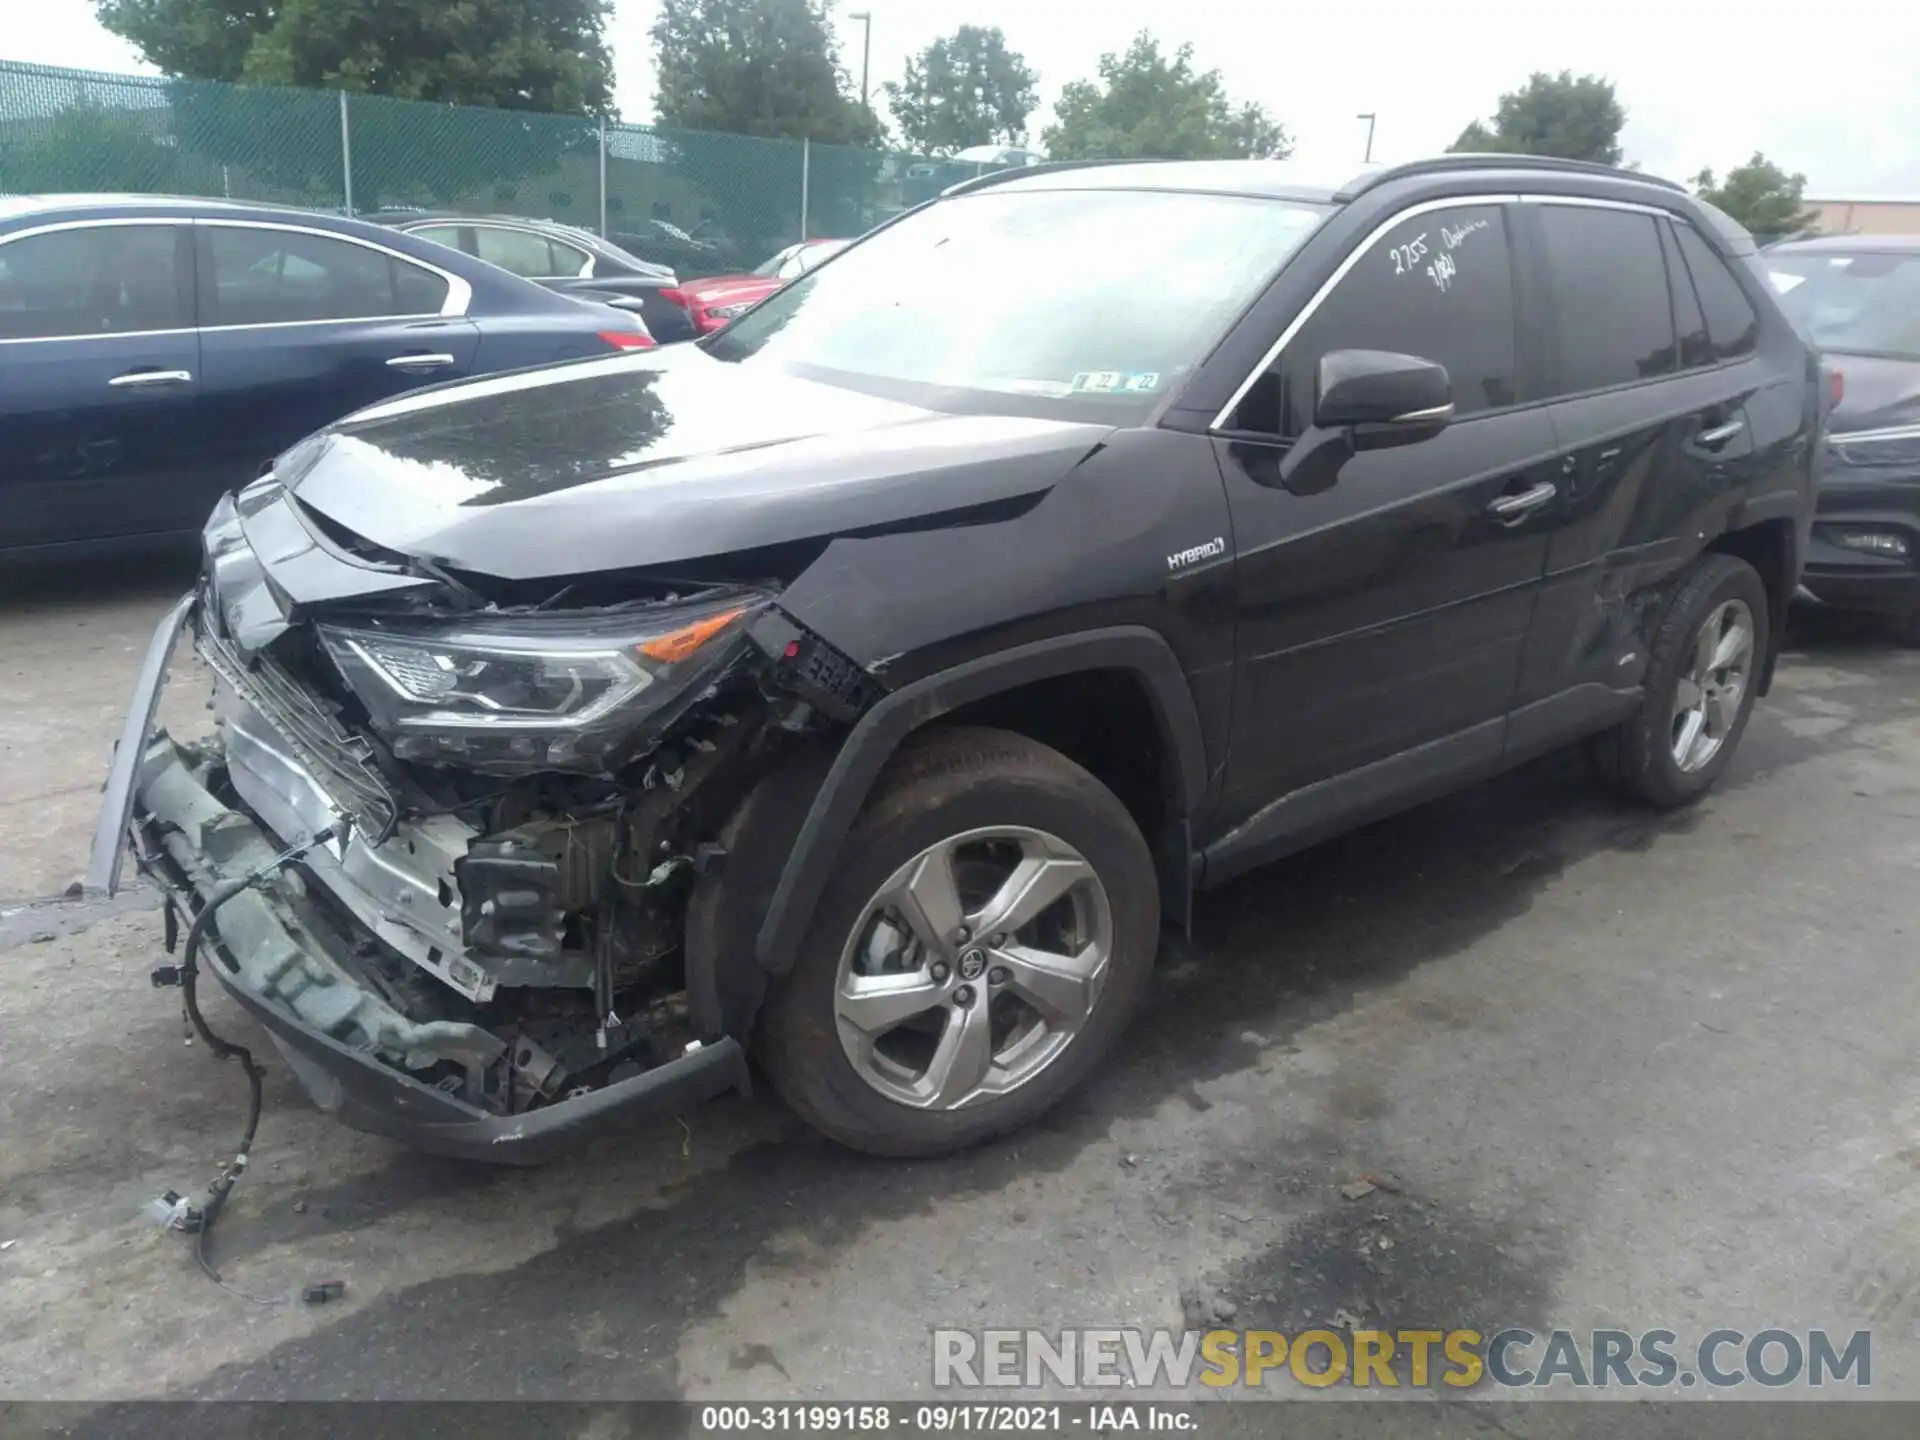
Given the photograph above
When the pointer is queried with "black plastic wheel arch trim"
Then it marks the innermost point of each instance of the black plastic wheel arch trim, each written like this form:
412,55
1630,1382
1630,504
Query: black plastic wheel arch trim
897,715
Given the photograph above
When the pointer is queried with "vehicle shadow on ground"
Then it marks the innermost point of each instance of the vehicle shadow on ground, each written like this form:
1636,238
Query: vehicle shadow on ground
1822,632
1290,946
44,583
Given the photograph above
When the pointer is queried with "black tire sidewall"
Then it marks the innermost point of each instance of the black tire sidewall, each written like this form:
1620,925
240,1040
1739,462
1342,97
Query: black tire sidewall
1654,773
964,780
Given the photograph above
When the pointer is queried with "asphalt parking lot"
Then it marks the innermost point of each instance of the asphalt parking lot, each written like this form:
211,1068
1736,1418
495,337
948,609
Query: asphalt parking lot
1619,1070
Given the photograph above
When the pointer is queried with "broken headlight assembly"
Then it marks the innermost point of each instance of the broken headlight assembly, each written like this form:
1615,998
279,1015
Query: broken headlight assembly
513,695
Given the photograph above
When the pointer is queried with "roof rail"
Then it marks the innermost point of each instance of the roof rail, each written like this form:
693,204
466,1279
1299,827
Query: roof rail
1014,172
1441,164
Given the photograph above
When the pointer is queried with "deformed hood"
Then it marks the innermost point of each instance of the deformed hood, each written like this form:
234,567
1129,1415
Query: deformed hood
1879,391
651,459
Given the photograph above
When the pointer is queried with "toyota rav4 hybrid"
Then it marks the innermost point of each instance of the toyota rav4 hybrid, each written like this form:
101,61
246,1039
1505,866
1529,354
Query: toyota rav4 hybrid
863,687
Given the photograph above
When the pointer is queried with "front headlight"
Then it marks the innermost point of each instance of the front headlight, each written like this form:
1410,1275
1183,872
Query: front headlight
513,695
1896,446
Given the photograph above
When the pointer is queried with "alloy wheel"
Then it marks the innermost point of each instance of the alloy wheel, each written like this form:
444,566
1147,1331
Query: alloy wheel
973,967
1706,699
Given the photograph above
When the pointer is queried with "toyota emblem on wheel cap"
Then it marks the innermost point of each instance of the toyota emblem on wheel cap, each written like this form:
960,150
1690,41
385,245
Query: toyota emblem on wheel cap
972,964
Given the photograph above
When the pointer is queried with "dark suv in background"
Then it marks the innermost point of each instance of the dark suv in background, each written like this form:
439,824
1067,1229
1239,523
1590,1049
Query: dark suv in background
1857,298
867,683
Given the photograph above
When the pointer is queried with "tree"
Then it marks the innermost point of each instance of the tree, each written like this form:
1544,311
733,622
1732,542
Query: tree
1761,196
1147,106
756,67
511,54
964,89
89,147
1573,117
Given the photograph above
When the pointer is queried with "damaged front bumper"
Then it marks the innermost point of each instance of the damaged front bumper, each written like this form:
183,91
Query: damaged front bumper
295,948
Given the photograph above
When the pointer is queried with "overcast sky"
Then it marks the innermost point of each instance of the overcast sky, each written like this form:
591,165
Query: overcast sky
1831,90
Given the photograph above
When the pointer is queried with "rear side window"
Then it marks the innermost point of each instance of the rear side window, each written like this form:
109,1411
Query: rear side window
566,259
1733,326
520,251
417,291
448,235
1439,286
1688,321
92,280
258,276
1613,319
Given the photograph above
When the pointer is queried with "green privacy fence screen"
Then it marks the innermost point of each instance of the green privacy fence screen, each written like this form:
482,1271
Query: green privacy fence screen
695,200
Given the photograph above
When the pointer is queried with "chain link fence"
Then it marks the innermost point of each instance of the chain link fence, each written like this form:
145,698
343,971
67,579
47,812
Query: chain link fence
699,201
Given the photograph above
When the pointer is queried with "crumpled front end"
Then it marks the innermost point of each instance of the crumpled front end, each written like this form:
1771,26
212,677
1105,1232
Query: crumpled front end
496,814
312,977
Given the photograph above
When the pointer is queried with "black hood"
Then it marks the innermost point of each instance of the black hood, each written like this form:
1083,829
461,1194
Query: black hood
653,459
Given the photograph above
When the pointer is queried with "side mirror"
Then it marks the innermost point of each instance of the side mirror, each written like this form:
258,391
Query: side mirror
1366,400
1384,398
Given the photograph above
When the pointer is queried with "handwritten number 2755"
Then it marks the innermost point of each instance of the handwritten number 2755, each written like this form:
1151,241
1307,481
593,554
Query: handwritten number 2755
1408,256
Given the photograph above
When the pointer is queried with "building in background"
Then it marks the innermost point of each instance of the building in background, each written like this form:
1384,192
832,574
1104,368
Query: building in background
1868,215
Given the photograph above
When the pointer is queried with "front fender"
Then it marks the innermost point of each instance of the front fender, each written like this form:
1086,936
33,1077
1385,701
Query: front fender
879,732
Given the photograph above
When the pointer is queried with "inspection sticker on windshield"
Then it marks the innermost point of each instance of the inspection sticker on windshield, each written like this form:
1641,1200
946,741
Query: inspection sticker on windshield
1115,382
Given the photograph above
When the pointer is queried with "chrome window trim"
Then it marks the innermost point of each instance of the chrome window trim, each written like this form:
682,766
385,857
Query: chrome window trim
454,307
1425,207
1589,202
1874,437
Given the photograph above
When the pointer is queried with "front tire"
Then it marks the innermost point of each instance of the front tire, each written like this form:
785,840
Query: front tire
980,948
1706,657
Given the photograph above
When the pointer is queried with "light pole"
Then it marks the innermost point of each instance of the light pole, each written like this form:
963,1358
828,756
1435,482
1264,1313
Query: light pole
865,17
1369,117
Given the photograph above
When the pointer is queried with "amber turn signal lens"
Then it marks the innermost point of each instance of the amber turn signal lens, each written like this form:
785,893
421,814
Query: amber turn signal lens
677,645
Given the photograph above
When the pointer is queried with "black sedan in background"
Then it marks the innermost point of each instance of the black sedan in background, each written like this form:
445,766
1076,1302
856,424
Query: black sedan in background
156,353
560,257
1857,298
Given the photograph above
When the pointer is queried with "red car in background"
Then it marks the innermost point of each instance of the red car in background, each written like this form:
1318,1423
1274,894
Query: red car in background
712,302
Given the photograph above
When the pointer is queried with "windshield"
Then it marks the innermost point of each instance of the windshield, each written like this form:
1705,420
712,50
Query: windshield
771,266
1102,300
1863,301
810,255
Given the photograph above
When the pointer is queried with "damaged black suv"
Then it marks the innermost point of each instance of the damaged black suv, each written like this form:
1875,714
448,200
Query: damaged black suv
863,687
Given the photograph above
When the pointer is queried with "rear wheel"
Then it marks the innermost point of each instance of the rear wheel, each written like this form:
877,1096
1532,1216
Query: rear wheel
977,953
1704,662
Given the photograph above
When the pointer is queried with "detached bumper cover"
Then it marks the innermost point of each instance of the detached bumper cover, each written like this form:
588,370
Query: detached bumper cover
297,966
116,807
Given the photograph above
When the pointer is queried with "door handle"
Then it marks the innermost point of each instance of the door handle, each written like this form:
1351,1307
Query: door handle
420,362
1512,508
1719,435
134,379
